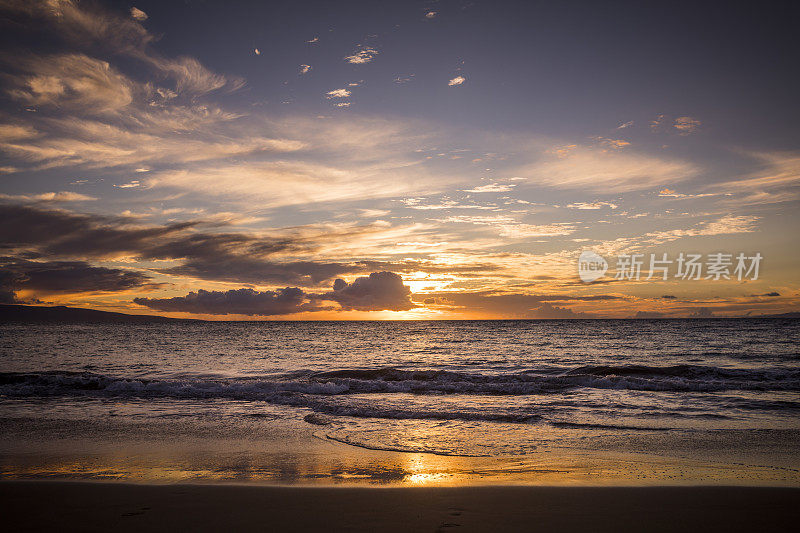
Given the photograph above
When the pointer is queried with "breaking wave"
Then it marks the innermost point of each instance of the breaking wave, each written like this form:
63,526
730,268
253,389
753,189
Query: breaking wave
679,378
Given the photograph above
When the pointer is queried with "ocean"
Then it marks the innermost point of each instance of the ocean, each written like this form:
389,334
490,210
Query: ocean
425,402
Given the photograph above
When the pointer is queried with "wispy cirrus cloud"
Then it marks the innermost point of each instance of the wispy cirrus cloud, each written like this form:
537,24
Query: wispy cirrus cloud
94,144
71,82
669,193
726,225
90,112
284,183
776,181
84,25
591,205
60,196
508,227
606,171
492,187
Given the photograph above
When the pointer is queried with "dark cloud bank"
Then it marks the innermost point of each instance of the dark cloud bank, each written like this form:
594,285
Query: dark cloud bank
38,231
49,251
63,277
380,291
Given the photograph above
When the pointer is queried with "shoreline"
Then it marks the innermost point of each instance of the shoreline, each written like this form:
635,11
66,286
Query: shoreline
101,506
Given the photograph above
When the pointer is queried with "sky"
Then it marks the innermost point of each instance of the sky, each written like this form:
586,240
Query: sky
400,160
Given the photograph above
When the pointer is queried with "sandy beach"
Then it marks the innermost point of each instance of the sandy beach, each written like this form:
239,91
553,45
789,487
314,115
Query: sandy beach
75,506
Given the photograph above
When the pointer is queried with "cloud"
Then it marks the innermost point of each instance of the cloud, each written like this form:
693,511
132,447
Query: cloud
84,142
669,193
28,230
492,187
338,93
730,224
138,15
430,14
702,312
509,228
591,205
625,125
524,231
458,80
657,123
80,23
130,185
72,82
775,181
61,196
481,220
726,225
342,104
15,132
92,114
562,151
686,125
648,314
416,203
612,144
381,291
606,171
65,277
364,54
336,160
285,183
305,69
232,265
88,25
502,304
192,78
234,302
550,312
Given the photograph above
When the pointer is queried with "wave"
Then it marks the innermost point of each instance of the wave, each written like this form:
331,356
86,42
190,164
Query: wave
366,393
350,441
589,425
678,378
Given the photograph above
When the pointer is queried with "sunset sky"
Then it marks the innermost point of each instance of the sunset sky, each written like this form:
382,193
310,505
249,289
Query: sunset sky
396,160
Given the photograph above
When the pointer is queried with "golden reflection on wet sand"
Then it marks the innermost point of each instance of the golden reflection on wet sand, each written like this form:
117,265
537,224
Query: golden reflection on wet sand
386,468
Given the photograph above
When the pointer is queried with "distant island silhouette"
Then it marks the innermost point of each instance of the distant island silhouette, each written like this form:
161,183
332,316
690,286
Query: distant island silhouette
35,313
61,313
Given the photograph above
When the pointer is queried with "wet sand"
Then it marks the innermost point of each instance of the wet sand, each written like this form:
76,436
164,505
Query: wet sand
90,506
